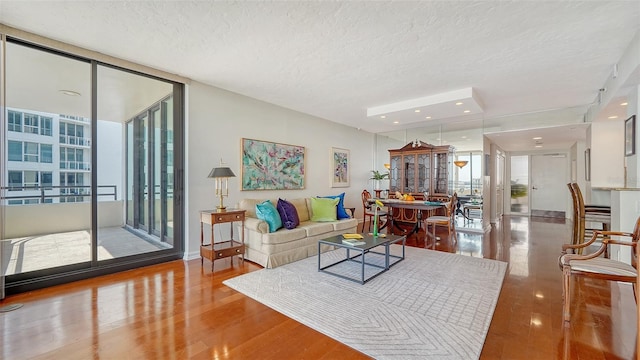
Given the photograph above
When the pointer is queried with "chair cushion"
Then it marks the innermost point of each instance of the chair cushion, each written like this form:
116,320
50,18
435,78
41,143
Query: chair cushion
601,266
288,214
438,219
267,212
323,209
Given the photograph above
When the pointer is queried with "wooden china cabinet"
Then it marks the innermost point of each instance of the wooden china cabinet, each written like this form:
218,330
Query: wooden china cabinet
420,170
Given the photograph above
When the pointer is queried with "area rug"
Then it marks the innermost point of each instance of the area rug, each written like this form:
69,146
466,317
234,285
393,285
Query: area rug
432,305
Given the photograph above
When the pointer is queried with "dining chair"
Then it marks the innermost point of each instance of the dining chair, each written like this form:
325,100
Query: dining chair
369,212
597,267
583,214
448,220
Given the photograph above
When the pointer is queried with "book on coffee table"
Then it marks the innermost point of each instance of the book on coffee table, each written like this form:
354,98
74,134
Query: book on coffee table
353,242
352,236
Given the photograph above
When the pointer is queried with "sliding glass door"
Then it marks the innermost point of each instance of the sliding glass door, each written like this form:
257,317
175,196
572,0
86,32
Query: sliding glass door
47,198
137,157
88,177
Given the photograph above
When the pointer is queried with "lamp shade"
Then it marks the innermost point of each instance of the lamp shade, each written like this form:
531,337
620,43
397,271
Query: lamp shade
460,163
221,172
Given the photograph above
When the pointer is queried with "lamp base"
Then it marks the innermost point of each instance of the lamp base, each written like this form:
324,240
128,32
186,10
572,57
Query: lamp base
221,208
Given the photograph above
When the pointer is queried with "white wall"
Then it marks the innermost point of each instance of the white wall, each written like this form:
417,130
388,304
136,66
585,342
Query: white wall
488,192
43,219
383,145
633,161
110,156
607,153
217,120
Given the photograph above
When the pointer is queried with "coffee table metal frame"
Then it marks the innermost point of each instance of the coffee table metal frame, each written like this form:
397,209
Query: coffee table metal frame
361,251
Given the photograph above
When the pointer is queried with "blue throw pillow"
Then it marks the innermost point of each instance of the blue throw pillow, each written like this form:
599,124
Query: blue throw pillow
267,212
288,214
342,212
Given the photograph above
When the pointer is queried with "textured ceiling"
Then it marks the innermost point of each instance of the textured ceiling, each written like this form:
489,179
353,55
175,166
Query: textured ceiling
336,59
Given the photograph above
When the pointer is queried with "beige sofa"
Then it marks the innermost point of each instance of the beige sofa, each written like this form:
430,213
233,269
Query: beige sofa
285,246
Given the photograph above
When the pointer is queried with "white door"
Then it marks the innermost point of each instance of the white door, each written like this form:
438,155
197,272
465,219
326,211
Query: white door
549,185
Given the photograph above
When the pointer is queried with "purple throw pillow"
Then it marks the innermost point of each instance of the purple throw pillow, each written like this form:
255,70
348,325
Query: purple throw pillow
288,214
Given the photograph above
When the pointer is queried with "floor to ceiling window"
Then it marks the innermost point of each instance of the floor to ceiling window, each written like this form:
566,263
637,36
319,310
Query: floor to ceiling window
87,180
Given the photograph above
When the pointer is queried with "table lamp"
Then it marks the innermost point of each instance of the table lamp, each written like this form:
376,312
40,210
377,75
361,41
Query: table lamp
221,175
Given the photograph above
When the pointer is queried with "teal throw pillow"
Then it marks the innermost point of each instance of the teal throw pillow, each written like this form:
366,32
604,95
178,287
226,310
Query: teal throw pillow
324,209
342,212
267,211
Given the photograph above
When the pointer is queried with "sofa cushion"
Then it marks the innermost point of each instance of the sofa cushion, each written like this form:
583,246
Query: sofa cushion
267,212
345,224
316,228
302,208
324,209
249,205
257,225
288,214
284,236
342,212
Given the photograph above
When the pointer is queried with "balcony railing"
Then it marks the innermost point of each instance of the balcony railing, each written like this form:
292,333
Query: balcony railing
74,140
49,192
75,165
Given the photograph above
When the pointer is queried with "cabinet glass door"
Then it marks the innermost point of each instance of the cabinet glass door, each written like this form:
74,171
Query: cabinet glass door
440,175
395,174
409,173
424,173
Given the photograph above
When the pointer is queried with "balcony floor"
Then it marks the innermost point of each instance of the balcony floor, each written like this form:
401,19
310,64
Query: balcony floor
31,253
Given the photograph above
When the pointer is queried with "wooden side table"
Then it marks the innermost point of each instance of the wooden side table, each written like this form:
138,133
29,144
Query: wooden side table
222,249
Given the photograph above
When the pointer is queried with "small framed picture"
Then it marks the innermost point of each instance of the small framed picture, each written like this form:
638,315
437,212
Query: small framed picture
340,167
630,136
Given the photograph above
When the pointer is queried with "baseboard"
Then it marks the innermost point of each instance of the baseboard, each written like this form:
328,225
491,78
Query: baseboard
191,256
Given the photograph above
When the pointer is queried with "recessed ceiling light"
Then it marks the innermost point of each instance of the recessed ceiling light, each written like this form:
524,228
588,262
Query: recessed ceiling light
459,103
417,110
538,146
396,122
537,138
70,92
383,117
624,104
613,117
467,111
464,137
428,117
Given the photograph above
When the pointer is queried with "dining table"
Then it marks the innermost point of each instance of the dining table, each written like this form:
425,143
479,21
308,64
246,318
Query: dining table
419,205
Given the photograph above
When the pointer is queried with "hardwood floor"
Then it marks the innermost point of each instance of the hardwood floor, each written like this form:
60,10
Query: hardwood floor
181,310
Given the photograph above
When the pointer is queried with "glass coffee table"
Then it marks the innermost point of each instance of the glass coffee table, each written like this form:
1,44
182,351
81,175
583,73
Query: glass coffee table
354,266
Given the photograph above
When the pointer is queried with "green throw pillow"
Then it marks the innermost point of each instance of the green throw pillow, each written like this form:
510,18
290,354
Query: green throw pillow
267,211
324,209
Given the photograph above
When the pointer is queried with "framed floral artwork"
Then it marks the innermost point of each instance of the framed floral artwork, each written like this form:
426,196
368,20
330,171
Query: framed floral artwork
340,167
272,166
